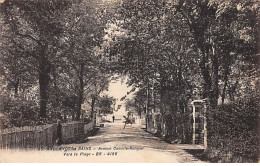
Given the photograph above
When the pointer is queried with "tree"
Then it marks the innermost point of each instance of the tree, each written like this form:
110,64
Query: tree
85,24
39,33
105,104
160,46
209,22
17,69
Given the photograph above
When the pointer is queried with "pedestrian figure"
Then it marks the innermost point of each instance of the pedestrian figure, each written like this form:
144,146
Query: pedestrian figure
113,118
127,120
59,133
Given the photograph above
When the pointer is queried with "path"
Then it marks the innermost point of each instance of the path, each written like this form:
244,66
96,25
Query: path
111,143
114,137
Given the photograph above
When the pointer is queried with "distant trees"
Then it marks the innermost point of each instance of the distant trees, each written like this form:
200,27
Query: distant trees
106,104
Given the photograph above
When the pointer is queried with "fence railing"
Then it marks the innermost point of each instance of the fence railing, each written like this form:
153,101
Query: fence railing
89,126
44,136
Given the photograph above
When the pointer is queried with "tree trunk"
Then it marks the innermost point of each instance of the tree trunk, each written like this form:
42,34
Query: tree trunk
147,105
211,90
225,85
227,61
16,86
205,73
182,127
57,100
81,91
44,80
215,79
232,91
92,107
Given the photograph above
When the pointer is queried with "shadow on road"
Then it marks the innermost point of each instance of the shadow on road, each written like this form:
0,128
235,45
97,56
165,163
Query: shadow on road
198,153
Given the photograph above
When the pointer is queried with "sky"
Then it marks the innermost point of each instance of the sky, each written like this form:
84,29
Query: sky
119,89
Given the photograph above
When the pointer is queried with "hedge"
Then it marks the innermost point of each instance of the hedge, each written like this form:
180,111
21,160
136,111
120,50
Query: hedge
233,132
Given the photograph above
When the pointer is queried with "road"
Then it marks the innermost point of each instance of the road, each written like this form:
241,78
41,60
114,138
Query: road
133,144
110,144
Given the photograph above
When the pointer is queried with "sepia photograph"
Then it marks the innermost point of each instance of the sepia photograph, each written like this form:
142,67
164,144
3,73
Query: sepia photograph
129,81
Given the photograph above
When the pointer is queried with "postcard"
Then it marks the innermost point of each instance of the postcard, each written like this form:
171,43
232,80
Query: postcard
129,81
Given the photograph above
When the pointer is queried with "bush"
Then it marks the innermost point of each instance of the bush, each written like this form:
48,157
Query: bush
233,134
175,129
20,112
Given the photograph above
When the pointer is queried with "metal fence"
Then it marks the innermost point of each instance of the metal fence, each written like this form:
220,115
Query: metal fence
40,137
